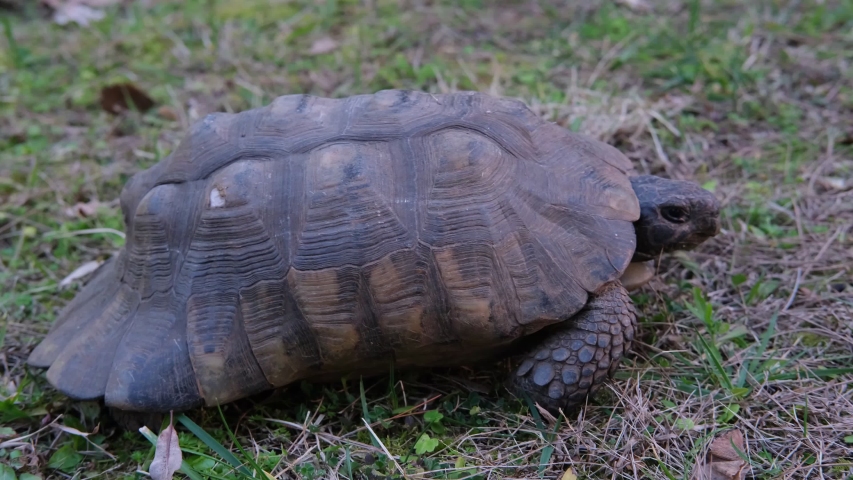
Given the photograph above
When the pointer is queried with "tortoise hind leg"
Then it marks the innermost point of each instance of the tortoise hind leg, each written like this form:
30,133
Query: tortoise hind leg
571,360
133,421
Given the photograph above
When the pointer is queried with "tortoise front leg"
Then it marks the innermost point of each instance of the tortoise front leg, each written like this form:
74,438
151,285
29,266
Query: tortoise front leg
571,360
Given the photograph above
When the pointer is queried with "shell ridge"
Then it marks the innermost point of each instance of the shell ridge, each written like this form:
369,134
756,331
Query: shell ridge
103,317
157,303
290,305
218,344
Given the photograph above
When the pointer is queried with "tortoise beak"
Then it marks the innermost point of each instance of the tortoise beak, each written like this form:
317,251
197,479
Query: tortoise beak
706,231
712,227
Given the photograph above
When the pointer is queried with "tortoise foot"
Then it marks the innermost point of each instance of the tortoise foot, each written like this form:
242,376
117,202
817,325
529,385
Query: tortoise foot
572,360
132,421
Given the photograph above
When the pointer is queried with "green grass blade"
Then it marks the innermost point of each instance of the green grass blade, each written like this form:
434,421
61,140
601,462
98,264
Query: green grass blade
364,412
348,462
714,356
534,412
545,459
213,444
821,374
17,59
249,459
693,19
765,337
666,471
748,366
395,402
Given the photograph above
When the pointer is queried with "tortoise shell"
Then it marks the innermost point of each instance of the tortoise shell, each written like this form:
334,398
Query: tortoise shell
317,236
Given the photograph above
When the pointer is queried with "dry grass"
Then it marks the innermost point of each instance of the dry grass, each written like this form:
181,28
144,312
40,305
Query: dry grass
753,331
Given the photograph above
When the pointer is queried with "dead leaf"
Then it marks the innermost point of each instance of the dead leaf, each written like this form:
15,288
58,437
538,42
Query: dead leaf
835,183
120,97
80,272
80,14
167,454
323,45
83,210
74,431
57,4
569,475
546,415
639,6
724,445
168,113
723,460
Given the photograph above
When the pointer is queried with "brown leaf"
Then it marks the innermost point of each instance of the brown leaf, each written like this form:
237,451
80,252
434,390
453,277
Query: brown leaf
720,471
735,469
569,475
722,446
323,45
722,461
83,210
167,455
167,113
120,97
75,11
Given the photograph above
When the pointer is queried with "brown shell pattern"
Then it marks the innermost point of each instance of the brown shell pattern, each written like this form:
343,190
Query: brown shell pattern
322,236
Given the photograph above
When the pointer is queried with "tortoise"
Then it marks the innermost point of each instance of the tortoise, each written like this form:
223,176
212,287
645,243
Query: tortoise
315,237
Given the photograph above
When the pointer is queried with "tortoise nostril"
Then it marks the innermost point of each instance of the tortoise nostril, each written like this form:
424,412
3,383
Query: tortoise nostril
714,227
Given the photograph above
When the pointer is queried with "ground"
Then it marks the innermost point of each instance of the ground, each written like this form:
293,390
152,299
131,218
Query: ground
753,331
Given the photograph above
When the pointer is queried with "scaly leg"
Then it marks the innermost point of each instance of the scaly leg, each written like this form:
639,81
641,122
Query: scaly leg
571,360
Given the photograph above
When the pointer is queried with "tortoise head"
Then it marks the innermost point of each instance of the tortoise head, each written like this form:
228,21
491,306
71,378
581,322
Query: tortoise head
674,215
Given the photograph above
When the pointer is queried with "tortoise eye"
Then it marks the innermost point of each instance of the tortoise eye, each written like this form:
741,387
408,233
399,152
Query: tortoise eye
675,214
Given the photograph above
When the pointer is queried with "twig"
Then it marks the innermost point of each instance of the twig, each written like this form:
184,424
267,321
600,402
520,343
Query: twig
818,170
16,442
384,449
794,291
53,235
295,462
328,437
658,147
608,56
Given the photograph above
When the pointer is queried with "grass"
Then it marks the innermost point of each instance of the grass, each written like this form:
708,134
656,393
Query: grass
752,331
